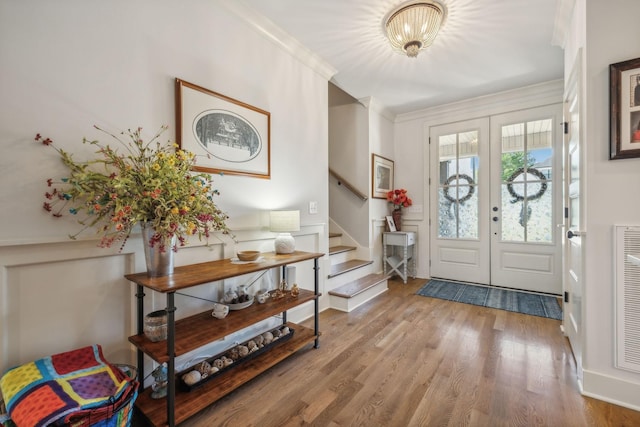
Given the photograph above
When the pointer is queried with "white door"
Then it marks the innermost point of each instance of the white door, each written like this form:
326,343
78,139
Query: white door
573,266
459,183
493,204
526,244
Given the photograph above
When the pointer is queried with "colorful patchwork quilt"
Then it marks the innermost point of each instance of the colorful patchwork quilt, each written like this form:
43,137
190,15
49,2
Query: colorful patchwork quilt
40,393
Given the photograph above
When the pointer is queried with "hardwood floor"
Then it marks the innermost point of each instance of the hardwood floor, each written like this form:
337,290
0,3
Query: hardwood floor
408,360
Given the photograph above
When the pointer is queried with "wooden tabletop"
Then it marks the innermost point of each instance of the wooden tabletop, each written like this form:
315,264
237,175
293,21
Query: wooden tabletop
196,274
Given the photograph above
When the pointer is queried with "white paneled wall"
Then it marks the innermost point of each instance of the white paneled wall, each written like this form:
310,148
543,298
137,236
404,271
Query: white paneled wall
59,296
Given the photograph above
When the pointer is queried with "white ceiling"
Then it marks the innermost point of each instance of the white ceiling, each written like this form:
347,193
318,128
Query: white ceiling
485,46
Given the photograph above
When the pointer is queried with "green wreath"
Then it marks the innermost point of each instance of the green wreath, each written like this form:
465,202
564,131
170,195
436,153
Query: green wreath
533,171
447,183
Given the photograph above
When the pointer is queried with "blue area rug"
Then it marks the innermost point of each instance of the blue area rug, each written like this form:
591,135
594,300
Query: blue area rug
502,299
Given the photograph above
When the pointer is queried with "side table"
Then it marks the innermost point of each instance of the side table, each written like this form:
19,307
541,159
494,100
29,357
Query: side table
399,253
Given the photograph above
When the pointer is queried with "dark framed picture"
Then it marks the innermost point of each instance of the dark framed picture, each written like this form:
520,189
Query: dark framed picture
624,97
227,136
381,176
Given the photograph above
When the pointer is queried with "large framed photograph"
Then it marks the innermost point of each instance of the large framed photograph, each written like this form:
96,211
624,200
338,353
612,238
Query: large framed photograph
624,97
381,176
227,136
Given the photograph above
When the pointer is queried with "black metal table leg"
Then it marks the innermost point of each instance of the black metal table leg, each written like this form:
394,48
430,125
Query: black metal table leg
316,274
171,380
140,297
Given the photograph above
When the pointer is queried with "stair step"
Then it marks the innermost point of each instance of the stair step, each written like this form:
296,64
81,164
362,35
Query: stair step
347,266
339,249
356,287
335,235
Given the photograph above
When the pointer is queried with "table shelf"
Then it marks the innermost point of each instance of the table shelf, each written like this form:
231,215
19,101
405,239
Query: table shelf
189,403
200,329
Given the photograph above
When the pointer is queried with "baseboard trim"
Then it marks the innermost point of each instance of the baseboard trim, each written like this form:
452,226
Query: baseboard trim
611,390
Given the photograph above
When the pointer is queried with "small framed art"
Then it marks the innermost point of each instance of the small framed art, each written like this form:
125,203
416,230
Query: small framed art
624,99
390,223
381,176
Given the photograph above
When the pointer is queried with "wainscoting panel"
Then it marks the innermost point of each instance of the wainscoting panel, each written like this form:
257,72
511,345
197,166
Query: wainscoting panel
57,296
63,295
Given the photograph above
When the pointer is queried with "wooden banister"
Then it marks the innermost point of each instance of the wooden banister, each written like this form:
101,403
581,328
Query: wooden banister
347,185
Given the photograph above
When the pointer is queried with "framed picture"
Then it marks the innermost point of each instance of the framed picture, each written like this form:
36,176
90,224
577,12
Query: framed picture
381,176
624,97
227,136
390,223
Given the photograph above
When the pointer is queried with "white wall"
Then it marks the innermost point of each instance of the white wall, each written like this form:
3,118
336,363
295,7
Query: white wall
70,64
381,142
357,129
349,158
608,33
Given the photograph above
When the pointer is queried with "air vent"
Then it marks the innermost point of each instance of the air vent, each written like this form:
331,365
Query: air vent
627,302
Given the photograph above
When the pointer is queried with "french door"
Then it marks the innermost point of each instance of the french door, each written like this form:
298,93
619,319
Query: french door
494,200
459,187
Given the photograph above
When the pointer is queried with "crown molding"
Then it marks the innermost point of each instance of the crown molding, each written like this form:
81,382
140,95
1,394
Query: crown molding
529,96
280,37
373,105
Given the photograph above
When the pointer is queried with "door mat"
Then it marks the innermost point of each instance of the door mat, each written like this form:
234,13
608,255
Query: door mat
502,299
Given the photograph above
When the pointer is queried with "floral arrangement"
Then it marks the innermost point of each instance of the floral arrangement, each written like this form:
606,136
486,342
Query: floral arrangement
149,184
399,199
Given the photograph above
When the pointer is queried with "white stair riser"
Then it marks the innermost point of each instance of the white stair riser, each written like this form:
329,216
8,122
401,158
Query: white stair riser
347,277
342,257
349,304
335,241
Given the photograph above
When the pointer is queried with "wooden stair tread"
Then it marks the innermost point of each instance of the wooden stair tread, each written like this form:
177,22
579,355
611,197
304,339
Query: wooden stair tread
341,248
335,235
347,266
356,287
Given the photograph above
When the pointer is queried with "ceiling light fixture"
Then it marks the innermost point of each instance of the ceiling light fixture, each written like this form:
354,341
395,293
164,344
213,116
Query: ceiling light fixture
412,27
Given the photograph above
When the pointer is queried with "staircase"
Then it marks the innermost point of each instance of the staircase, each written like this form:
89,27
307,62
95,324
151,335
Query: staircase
351,280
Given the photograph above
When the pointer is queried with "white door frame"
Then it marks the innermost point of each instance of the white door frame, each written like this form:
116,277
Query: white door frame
573,266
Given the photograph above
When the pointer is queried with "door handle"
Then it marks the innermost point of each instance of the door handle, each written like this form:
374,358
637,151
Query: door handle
571,234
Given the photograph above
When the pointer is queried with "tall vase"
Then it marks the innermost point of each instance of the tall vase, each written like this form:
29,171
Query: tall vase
159,263
397,218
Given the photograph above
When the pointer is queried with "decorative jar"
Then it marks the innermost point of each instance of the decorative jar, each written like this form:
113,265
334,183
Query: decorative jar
155,325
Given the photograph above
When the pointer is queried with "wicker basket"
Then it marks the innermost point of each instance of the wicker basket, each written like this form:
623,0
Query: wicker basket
117,414
4,417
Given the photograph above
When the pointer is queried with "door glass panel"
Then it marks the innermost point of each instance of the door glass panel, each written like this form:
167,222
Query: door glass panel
458,175
527,170
574,191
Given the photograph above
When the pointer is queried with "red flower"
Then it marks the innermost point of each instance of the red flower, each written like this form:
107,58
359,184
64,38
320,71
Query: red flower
398,198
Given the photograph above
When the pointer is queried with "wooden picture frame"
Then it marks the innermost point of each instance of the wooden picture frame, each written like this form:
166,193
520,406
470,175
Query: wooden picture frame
381,176
624,98
226,135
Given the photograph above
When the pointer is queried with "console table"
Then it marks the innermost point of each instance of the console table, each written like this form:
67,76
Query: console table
195,331
399,253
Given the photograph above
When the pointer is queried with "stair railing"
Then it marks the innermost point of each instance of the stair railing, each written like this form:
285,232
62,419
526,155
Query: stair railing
347,185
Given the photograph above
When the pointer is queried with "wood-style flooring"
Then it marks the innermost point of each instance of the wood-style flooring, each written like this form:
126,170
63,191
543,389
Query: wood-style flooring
408,360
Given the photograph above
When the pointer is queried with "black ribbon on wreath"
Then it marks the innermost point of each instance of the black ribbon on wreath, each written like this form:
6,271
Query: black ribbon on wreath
455,200
524,216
